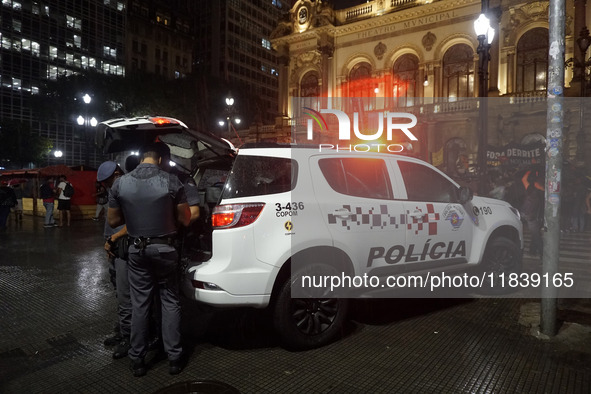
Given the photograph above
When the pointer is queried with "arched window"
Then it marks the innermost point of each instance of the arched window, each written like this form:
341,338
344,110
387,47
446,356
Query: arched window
359,81
532,61
404,80
310,90
309,85
361,85
458,72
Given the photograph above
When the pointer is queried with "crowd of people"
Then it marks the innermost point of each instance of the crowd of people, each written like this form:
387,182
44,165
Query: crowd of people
51,190
524,189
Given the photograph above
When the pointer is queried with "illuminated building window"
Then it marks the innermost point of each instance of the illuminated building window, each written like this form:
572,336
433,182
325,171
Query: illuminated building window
26,44
6,43
359,81
16,84
35,48
361,85
16,45
73,23
266,43
532,61
404,80
309,85
51,72
458,72
310,89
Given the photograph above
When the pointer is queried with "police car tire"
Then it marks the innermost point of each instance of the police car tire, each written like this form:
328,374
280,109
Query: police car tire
307,323
501,256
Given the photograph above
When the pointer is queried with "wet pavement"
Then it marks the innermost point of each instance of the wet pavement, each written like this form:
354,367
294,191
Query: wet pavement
57,306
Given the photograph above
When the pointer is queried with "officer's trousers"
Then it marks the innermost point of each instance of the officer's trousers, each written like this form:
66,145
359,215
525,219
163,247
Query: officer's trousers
123,296
154,269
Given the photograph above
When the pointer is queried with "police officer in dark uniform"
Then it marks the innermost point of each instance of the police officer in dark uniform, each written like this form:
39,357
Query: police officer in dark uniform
114,237
152,203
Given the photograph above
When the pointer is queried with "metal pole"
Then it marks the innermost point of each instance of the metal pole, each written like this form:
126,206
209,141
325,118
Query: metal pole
482,112
86,156
554,137
583,44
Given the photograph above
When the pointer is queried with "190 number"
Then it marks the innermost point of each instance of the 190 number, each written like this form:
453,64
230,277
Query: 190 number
484,210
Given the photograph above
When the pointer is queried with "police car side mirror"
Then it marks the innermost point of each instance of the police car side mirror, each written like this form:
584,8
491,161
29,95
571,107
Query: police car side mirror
464,194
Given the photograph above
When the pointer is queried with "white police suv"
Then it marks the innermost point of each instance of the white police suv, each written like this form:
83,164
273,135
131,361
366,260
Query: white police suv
302,230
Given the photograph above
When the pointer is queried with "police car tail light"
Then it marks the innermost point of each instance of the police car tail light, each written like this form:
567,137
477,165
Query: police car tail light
162,121
235,215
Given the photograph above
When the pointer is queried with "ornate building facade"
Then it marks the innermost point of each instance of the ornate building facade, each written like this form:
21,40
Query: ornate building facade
422,56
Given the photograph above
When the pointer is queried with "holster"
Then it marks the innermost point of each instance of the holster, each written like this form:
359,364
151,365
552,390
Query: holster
122,248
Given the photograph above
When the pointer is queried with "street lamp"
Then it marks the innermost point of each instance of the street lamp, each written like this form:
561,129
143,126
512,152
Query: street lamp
86,121
485,34
230,115
583,43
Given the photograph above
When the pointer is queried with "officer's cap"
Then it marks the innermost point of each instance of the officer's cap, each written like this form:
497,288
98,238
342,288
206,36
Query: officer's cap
105,170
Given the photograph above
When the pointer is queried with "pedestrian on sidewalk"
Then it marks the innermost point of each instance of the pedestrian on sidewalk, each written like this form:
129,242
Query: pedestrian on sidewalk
47,192
579,208
7,201
533,210
63,201
18,208
102,198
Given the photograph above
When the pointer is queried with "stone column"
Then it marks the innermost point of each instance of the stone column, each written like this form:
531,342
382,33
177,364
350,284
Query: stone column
326,52
579,25
437,80
283,60
511,70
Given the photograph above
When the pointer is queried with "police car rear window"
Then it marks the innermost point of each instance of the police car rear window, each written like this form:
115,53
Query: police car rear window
258,175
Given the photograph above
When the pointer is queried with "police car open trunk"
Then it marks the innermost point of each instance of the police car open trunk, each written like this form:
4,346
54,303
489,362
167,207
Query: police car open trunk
200,155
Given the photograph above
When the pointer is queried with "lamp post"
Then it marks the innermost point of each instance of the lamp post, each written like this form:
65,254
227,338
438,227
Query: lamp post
230,115
85,121
583,43
485,34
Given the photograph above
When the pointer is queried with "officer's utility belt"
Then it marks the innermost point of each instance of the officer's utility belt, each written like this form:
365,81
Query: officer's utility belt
142,242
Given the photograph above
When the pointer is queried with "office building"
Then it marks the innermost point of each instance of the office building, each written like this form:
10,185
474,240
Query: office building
42,40
233,43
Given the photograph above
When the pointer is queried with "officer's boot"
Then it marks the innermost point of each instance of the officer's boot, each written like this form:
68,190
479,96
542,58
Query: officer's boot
122,348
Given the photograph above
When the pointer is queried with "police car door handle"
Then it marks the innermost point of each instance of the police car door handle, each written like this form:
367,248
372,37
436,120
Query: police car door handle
417,215
342,213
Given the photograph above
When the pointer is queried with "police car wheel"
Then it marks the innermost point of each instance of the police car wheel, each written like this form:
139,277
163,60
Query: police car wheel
502,257
306,323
